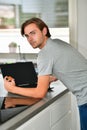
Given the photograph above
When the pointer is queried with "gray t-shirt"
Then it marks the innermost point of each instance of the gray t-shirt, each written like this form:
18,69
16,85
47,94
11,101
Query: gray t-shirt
67,64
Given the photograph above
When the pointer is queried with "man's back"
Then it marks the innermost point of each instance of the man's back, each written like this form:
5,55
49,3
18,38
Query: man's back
67,64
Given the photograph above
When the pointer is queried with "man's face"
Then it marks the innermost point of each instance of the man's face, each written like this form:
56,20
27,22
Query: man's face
35,36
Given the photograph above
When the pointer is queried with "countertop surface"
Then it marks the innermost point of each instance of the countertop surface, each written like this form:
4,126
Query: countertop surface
58,90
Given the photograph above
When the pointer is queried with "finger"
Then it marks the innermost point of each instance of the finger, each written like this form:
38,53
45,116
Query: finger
9,78
6,77
13,81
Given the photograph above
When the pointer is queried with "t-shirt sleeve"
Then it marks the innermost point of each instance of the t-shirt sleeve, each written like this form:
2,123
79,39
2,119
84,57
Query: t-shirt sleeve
45,65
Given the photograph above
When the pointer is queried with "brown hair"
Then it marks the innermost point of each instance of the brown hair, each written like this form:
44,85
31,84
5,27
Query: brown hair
40,24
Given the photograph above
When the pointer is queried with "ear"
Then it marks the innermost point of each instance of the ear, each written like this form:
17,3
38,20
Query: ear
44,31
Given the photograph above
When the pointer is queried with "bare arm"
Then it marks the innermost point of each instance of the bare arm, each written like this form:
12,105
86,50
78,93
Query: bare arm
13,101
38,92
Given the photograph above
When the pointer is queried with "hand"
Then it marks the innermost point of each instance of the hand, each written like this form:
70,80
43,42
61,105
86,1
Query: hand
53,78
9,83
9,102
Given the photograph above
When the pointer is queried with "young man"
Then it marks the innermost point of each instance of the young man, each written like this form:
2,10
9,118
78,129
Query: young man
56,58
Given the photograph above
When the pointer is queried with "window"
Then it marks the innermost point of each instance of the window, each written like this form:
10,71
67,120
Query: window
14,14
7,16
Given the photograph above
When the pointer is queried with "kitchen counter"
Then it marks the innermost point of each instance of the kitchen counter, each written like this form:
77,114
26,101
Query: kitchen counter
58,91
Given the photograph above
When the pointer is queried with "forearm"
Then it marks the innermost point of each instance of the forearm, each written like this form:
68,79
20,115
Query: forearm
29,92
38,92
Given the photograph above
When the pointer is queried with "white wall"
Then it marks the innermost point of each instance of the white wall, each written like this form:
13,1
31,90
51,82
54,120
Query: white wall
78,38
82,27
78,25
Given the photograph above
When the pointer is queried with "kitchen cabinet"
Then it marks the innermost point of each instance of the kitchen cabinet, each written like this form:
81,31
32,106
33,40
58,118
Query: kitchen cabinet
39,122
61,113
55,116
63,124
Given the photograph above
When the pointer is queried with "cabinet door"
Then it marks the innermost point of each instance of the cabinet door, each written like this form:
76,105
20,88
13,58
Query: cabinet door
56,116
64,123
39,122
60,108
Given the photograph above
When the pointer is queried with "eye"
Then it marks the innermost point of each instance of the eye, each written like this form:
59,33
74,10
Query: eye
32,33
26,35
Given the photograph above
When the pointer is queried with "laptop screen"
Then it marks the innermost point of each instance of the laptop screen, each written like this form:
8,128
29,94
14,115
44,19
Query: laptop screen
23,72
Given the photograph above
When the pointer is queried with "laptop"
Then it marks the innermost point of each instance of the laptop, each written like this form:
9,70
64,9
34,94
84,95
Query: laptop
24,73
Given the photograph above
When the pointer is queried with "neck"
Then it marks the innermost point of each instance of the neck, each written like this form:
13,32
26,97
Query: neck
44,43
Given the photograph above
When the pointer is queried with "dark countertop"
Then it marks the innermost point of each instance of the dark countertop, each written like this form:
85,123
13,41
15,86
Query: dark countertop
58,91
